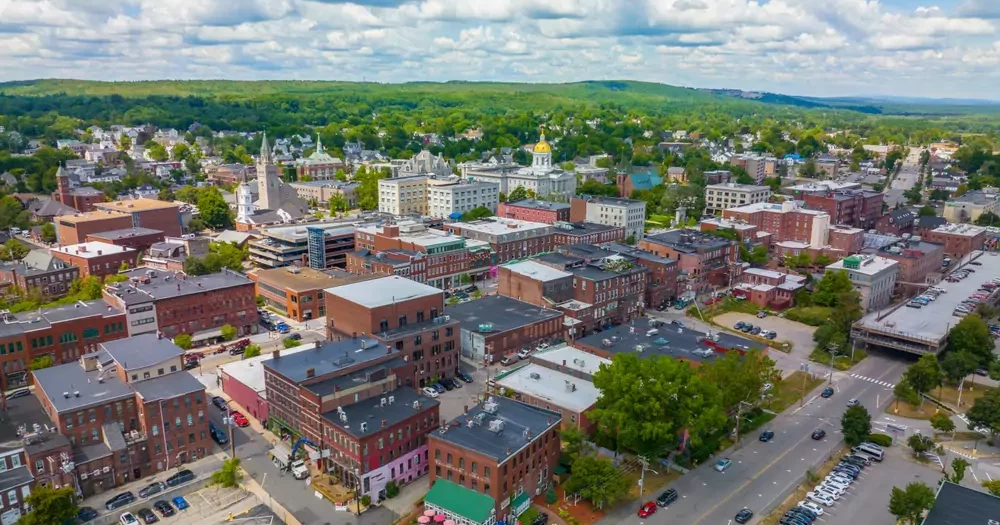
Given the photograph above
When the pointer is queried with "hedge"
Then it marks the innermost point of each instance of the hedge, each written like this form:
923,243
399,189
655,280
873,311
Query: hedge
882,440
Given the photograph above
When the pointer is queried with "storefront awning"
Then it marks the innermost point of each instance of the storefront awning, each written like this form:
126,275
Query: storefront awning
206,334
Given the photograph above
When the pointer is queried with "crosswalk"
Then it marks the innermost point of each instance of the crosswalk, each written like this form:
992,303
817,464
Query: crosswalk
876,381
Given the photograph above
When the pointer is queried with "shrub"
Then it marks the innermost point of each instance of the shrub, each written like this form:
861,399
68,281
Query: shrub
366,500
810,315
881,440
551,497
391,489
811,476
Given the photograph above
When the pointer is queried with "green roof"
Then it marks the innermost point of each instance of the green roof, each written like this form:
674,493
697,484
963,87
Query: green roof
465,502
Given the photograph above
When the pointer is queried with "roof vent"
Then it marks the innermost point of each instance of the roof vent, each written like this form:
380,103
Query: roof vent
496,426
364,426
66,395
536,376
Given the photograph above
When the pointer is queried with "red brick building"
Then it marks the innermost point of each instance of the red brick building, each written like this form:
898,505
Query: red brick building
39,270
565,233
784,221
857,208
502,448
496,326
896,222
96,257
510,238
346,398
846,241
661,281
703,259
82,199
74,229
534,211
297,292
917,259
149,213
139,239
958,239
771,289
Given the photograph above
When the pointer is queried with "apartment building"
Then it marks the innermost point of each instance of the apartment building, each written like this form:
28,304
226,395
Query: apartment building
403,195
510,238
173,303
400,313
74,229
297,292
755,166
857,208
785,221
96,258
534,211
496,326
958,239
969,207
323,190
719,197
567,233
346,398
917,260
319,245
611,211
896,222
451,198
704,259
873,277
148,213
661,281
503,448
39,270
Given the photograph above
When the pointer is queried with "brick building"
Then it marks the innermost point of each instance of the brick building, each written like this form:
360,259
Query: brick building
230,174
496,326
534,211
298,292
661,281
39,270
703,260
149,213
243,382
81,199
510,238
96,257
844,241
139,239
771,289
896,222
565,233
130,407
785,221
629,214
174,304
917,260
319,245
857,208
958,239
503,448
400,313
74,229
346,397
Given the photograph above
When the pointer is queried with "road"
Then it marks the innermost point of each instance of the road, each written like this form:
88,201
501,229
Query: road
763,474
907,178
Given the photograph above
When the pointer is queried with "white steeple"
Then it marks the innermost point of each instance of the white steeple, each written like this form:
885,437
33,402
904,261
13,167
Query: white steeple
244,201
319,143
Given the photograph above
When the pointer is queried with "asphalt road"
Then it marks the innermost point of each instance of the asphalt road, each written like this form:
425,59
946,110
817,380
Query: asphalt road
907,177
763,474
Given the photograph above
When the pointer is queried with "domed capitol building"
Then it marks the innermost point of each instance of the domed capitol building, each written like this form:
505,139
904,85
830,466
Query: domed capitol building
541,176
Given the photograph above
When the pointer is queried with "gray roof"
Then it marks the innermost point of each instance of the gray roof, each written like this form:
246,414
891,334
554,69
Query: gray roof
113,437
975,197
503,312
539,205
33,320
27,411
384,291
930,222
517,417
50,208
958,505
688,241
168,386
559,259
37,262
163,285
681,342
14,478
126,233
624,249
327,357
581,228
141,351
71,378
372,412
356,378
90,453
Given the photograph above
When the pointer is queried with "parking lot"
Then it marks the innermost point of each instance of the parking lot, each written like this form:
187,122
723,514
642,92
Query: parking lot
798,334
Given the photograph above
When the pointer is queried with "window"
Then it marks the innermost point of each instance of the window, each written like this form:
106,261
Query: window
474,467
90,333
486,473
437,455
159,371
12,497
461,463
39,467
190,420
15,461
94,435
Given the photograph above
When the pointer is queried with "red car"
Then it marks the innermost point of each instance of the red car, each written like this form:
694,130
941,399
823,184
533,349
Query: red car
647,510
240,420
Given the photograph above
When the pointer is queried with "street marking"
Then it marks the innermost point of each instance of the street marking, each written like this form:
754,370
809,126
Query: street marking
973,471
873,380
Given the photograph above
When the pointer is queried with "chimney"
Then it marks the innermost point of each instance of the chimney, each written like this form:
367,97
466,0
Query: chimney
388,349
276,354
466,409
564,362
89,362
383,423
508,451
311,372
98,252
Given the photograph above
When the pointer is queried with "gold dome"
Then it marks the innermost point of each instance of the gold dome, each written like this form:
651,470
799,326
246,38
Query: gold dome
541,146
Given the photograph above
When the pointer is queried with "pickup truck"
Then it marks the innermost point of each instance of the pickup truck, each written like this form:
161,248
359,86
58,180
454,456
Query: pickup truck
281,456
237,347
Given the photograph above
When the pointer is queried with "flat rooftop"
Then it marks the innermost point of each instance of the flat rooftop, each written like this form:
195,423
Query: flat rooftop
384,291
688,241
125,233
424,237
549,386
615,201
770,274
96,215
539,205
824,186
92,249
776,207
737,187
502,226
328,357
932,322
870,264
724,224
521,423
135,205
304,279
299,233
958,505
573,358
145,285
670,341
400,404
502,313
250,372
35,320
69,387
537,271
141,351
965,230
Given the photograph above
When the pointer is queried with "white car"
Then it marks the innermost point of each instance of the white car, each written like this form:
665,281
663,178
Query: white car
128,519
836,483
822,499
834,479
523,353
812,507
430,392
833,492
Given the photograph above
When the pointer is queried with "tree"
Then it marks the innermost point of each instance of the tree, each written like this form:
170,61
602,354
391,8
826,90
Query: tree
251,351
645,403
183,341
592,187
985,412
228,332
48,232
958,365
290,343
229,474
988,219
341,176
924,375
337,203
739,378
856,424
479,212
12,213
49,505
971,334
598,481
831,286
908,505
630,240
180,151
942,423
993,486
42,361
958,466
920,444
14,250
926,211
213,210
156,151
808,169
518,194
572,439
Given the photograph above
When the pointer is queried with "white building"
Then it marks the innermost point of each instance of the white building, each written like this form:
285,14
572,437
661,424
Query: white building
451,197
612,211
403,195
720,197
541,177
872,276
424,163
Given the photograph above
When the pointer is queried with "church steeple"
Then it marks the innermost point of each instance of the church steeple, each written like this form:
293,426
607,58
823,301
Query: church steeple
265,151
319,143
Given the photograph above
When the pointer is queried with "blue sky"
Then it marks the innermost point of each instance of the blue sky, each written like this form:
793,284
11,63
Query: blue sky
943,48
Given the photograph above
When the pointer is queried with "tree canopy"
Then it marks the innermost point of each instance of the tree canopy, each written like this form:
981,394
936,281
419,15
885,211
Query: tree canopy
856,425
909,504
972,335
49,505
598,481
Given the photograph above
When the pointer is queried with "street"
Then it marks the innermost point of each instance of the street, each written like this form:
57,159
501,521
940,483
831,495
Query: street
907,178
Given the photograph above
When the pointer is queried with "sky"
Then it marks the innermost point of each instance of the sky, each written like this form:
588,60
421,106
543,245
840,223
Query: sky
947,48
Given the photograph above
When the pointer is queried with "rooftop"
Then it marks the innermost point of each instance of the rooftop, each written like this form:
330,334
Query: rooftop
929,222
581,228
823,186
539,205
168,386
547,385
250,372
777,207
669,340
27,426
400,405
965,230
96,215
92,249
34,320
327,357
141,351
537,271
301,279
299,233
358,377
135,205
737,187
145,285
614,201
35,263
726,224
978,198
478,429
384,291
498,313
69,387
500,226
866,264
125,233
770,274
573,359
470,504
688,241
958,505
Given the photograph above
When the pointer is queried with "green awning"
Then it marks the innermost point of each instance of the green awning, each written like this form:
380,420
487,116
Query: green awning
520,504
469,504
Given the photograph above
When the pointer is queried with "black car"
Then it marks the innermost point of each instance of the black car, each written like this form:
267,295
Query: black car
743,515
151,489
464,377
801,516
766,436
147,516
827,392
164,508
217,434
294,337
219,403
447,385
86,514
669,496
792,519
541,519
818,434
19,393
180,478
120,500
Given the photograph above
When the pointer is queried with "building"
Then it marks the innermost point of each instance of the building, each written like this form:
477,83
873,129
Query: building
534,211
822,187
29,456
318,166
857,208
567,233
873,277
918,260
541,177
510,238
274,196
318,245
629,183
969,207
955,505
771,289
146,213
677,175
648,337
829,165
896,222
46,210
452,198
39,270
403,195
170,254
82,198
172,304
460,505
785,221
229,174
544,387
297,292
139,239
324,190
243,381
703,260
959,240
496,326
129,409
719,197
717,176
347,399
506,449
74,229
96,258
661,281
424,164
402,314
629,214
755,166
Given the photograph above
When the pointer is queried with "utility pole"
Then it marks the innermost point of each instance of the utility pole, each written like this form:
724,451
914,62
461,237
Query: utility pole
805,377
739,418
232,438
642,476
833,355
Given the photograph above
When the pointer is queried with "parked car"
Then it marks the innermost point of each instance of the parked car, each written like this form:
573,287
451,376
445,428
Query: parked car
180,478
120,500
523,353
439,387
217,434
771,335
811,507
738,325
723,464
430,392
755,330
240,420
219,403
507,361
180,503
19,393
147,516
455,382
668,497
86,514
818,434
675,322
766,436
151,489
164,508
127,518
542,519
743,515
463,376
822,499
647,509
294,337
827,392
283,328
446,385
761,314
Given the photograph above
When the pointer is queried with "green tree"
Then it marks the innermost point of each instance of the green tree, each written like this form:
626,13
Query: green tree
14,250
290,343
904,392
740,378
518,194
958,365
42,361
808,169
831,286
924,375
958,466
926,211
180,151
856,424
985,412
338,203
229,474
480,212
988,219
156,151
228,332
12,213
920,444
645,403
993,486
48,232
572,439
49,506
908,505
213,210
341,176
942,422
251,351
972,335
598,481
183,341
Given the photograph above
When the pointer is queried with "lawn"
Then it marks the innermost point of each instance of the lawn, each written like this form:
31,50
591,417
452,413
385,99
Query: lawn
948,395
843,362
810,315
653,481
903,409
790,390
